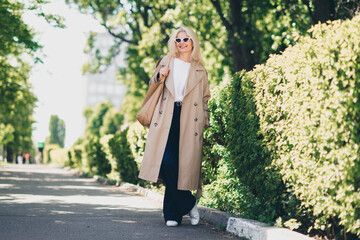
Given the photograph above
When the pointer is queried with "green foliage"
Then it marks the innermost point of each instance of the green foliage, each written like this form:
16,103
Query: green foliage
17,43
6,133
48,148
237,170
57,131
15,35
96,157
75,156
112,121
226,193
264,148
307,106
250,159
92,150
78,156
233,35
137,136
95,118
126,165
214,147
59,156
114,174
102,119
70,161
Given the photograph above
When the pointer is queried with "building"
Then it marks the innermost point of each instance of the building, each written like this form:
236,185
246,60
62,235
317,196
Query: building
104,86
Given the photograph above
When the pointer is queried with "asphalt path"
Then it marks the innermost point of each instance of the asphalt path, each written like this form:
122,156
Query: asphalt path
46,202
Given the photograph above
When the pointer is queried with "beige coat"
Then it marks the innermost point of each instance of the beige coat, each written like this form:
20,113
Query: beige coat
194,117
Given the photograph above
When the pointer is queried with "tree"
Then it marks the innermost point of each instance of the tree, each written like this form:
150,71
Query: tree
57,131
324,10
234,34
17,102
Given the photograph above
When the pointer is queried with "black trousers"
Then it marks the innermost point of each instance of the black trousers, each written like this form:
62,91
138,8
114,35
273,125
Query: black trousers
177,203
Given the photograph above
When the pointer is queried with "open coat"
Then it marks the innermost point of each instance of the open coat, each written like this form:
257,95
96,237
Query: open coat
194,117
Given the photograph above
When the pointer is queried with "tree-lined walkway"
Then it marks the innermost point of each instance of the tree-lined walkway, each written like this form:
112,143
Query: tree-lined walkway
43,202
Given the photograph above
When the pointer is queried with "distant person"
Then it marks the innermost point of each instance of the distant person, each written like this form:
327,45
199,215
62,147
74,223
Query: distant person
20,159
27,158
174,143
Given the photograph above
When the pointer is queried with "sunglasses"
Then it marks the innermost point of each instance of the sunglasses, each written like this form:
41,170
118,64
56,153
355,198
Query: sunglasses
186,39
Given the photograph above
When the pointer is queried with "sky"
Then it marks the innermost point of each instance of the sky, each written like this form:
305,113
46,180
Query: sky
58,83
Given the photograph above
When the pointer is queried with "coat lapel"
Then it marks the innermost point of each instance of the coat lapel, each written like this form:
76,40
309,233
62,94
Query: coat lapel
169,82
193,80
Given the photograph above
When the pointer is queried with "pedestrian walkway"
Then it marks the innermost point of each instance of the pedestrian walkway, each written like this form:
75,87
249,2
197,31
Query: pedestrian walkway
45,202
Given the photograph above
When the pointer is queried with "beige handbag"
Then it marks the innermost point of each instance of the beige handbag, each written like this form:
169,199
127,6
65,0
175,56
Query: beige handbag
147,110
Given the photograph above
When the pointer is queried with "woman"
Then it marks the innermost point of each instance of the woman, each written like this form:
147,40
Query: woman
174,144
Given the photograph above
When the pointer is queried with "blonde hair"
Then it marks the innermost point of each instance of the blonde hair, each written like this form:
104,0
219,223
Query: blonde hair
195,54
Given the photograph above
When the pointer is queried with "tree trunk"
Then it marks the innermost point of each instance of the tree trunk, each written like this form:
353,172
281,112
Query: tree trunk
324,10
10,155
239,36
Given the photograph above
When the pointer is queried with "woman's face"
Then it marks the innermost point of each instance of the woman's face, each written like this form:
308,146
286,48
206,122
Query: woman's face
184,47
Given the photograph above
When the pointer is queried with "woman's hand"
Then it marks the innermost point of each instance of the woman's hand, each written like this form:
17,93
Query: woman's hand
164,71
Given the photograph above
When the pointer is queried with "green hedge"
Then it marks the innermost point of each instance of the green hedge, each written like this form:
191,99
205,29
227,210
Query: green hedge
114,174
97,157
47,150
78,156
137,136
237,172
284,139
59,156
125,163
308,105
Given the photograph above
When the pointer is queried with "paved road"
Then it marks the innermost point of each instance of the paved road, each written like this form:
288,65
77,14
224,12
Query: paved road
44,202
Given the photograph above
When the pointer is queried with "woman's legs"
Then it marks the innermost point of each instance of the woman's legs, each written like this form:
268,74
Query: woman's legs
176,202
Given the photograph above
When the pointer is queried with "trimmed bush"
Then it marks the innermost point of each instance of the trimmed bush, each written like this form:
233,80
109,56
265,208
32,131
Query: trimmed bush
125,163
237,170
114,174
137,136
308,109
47,150
249,158
78,156
226,193
70,162
214,137
96,157
59,156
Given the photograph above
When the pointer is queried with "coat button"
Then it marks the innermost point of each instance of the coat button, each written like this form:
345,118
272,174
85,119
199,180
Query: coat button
195,119
164,98
196,134
155,124
195,104
161,112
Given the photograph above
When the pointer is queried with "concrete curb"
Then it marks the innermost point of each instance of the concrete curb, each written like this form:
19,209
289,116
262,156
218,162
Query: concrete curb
251,229
241,227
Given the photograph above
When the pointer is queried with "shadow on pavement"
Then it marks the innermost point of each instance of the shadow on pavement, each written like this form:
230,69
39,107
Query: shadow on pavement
42,202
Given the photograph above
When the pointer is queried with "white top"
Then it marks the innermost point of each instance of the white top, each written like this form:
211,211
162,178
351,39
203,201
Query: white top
181,73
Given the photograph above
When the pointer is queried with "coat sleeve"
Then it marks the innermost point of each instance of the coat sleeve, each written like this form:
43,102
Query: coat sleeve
206,97
156,75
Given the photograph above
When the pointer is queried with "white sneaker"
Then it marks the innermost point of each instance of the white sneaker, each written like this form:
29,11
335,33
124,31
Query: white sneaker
194,215
171,223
